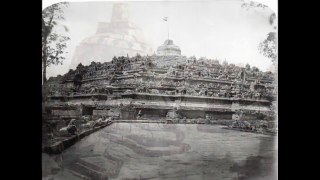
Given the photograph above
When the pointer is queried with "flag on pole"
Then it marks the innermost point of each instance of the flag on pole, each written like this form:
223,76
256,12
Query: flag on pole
166,19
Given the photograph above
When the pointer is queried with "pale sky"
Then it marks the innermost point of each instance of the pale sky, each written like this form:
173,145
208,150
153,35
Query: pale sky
213,29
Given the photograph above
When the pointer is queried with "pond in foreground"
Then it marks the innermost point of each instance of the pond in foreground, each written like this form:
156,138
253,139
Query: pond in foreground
163,151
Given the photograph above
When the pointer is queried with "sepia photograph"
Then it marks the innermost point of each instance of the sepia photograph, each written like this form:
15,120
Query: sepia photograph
160,90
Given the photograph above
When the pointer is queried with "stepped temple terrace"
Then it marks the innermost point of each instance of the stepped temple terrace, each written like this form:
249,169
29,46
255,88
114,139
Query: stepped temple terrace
162,87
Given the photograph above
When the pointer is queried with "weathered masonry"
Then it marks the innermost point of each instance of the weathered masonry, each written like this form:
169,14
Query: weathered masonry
167,85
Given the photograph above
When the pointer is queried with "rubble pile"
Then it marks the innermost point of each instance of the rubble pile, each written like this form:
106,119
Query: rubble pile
55,131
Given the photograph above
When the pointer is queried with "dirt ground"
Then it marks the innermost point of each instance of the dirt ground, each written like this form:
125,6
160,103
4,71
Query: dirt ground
166,151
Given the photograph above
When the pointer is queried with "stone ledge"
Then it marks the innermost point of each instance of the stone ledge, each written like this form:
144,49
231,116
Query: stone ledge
60,146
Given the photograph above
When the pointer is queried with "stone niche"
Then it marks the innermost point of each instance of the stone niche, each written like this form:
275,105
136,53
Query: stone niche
87,110
128,114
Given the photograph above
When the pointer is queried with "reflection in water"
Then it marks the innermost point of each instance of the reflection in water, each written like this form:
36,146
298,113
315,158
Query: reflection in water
162,151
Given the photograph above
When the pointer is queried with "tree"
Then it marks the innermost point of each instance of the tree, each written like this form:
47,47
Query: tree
268,47
251,4
53,44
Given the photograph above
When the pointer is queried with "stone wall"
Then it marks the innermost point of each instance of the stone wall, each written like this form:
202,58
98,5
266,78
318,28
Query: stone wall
128,114
153,113
108,113
202,114
157,84
59,112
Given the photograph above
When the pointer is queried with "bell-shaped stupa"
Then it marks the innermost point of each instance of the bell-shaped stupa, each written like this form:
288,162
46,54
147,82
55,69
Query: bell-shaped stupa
168,49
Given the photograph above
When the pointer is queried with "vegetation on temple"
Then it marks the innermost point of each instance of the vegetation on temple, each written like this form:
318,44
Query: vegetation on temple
268,47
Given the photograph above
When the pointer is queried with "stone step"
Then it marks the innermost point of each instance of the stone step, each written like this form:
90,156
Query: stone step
92,166
79,175
89,172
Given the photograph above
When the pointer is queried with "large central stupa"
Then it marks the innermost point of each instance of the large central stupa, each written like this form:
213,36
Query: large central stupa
119,37
168,49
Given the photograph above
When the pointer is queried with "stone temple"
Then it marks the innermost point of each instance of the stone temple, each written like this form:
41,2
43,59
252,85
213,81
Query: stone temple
164,86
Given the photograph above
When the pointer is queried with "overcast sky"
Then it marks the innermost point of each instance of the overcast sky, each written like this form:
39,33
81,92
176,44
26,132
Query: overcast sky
213,29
